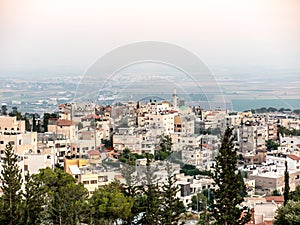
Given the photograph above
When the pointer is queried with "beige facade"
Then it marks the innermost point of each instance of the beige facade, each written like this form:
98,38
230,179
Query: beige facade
13,131
270,181
251,138
66,128
8,123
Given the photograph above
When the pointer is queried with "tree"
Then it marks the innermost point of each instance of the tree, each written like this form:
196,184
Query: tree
64,199
108,205
227,196
33,201
191,170
271,145
11,200
286,184
130,189
46,118
243,191
79,126
295,195
276,193
288,214
151,198
165,145
34,125
172,207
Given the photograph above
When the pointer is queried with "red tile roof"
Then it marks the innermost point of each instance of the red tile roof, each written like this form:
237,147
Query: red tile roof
91,116
294,157
207,146
276,199
93,152
64,122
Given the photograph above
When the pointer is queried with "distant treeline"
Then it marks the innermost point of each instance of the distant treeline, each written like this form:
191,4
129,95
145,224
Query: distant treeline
272,109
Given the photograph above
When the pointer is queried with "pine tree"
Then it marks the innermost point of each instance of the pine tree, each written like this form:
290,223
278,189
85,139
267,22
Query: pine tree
130,189
11,200
151,199
172,207
33,201
286,184
64,199
227,195
109,205
288,214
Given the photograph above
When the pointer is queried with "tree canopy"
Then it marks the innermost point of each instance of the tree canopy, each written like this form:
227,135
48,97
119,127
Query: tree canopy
226,209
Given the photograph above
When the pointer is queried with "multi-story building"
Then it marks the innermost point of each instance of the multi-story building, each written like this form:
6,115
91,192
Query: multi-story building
268,181
62,127
251,138
13,131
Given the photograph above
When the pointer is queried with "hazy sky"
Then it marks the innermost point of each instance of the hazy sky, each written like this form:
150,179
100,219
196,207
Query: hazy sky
67,36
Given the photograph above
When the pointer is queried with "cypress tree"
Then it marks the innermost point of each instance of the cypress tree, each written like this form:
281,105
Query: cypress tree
226,208
151,198
243,191
172,207
286,184
130,189
11,200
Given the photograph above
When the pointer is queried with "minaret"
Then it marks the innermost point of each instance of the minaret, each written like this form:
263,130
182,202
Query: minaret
174,99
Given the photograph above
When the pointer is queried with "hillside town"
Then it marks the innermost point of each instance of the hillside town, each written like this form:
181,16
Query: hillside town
93,143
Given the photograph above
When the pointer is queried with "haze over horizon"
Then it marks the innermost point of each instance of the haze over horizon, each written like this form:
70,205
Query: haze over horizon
67,37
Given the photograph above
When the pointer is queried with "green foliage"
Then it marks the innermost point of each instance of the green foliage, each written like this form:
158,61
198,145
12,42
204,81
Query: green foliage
295,195
286,184
65,200
152,199
165,145
227,195
243,191
107,143
46,118
16,114
199,202
289,214
33,201
79,126
11,200
130,158
191,170
276,193
172,207
284,131
271,145
109,204
131,189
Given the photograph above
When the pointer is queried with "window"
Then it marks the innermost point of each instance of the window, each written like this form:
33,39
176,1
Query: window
11,142
1,142
86,182
93,181
25,167
20,142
